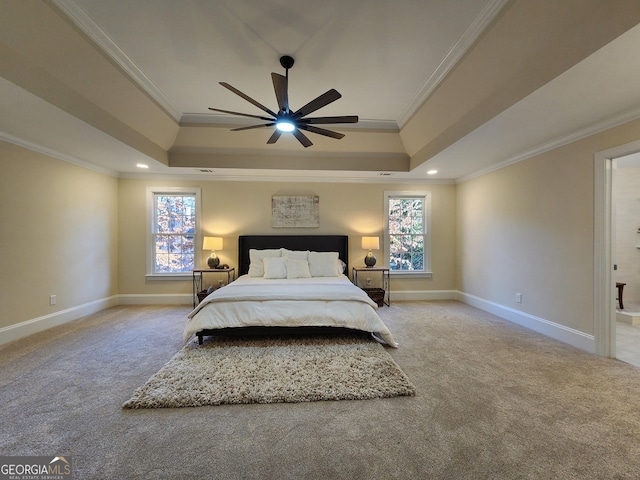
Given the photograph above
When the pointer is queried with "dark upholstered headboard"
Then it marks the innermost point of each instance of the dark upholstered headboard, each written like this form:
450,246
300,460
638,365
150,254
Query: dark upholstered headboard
317,243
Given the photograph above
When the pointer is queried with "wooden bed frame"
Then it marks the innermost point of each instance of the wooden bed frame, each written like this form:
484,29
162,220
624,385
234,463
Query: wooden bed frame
317,243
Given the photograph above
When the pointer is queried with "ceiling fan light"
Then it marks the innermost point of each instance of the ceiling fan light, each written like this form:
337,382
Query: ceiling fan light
285,126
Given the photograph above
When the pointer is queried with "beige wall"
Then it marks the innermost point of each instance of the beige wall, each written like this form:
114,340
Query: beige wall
529,228
627,201
58,235
235,208
525,228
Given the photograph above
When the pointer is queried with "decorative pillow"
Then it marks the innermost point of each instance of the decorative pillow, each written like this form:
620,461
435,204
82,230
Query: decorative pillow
341,267
256,267
297,254
323,264
275,267
297,268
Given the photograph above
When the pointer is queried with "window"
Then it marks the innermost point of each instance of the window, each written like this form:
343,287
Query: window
407,245
174,216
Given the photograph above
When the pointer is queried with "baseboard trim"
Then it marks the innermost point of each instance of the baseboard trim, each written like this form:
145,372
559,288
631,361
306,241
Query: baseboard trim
20,330
553,330
39,324
156,299
423,295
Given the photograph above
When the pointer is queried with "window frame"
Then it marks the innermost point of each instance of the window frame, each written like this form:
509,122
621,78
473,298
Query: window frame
426,222
150,225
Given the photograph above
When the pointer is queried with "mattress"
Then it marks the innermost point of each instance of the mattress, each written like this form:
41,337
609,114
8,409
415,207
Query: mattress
261,302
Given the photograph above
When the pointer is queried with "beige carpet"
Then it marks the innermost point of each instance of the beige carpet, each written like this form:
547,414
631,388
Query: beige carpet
493,401
274,370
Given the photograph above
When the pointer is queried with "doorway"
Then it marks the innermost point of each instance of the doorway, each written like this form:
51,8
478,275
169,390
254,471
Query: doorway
605,335
626,205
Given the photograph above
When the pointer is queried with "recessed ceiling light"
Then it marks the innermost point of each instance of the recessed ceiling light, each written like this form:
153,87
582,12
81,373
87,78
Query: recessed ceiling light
141,165
432,172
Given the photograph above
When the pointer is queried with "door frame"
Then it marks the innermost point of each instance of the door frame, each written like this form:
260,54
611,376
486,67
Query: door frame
604,247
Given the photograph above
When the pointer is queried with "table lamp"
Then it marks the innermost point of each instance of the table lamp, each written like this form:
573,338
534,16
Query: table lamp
370,243
213,244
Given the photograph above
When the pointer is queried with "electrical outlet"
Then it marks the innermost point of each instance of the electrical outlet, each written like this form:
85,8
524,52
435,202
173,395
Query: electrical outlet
368,282
53,299
518,298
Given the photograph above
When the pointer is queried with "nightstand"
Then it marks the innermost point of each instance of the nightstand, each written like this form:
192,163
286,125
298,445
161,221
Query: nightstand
376,294
197,279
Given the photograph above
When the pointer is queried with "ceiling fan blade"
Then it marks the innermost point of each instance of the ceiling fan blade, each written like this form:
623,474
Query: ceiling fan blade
317,120
324,99
238,113
321,131
274,138
262,125
302,138
247,98
281,86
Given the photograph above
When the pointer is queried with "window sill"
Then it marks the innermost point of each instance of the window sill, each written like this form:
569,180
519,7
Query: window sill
169,276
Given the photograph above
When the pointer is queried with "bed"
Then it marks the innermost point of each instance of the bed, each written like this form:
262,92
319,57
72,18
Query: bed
292,283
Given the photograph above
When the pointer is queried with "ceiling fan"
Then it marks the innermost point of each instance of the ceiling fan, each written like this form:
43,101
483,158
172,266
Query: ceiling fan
287,120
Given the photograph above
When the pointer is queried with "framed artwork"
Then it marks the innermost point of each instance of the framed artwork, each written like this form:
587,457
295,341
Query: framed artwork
297,211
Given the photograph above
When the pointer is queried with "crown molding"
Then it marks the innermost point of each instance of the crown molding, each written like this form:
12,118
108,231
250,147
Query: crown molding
55,154
459,49
340,177
594,129
198,119
85,23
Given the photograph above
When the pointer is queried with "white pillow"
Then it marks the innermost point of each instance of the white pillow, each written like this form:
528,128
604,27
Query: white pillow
341,267
297,254
323,264
297,268
274,267
256,267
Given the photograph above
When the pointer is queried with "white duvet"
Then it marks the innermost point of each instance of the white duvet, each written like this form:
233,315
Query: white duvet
317,301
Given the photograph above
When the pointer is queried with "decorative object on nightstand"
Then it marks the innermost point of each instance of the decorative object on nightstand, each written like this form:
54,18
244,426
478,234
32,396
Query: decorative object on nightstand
199,291
378,295
213,244
370,243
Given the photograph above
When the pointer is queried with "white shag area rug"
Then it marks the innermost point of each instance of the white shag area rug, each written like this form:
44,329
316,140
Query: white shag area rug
271,370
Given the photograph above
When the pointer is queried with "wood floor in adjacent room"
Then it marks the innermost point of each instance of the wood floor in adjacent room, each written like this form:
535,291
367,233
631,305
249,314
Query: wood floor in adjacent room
494,401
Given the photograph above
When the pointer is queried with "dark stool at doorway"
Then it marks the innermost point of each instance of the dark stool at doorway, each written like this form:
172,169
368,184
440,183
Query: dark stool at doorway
620,287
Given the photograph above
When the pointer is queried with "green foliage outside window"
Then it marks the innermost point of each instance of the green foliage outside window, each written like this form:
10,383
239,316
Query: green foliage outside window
406,234
174,235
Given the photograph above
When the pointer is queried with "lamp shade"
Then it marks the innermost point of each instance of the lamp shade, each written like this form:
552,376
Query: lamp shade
212,243
371,243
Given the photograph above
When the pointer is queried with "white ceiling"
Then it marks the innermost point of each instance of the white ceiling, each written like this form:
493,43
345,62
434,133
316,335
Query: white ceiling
384,59
600,92
378,58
